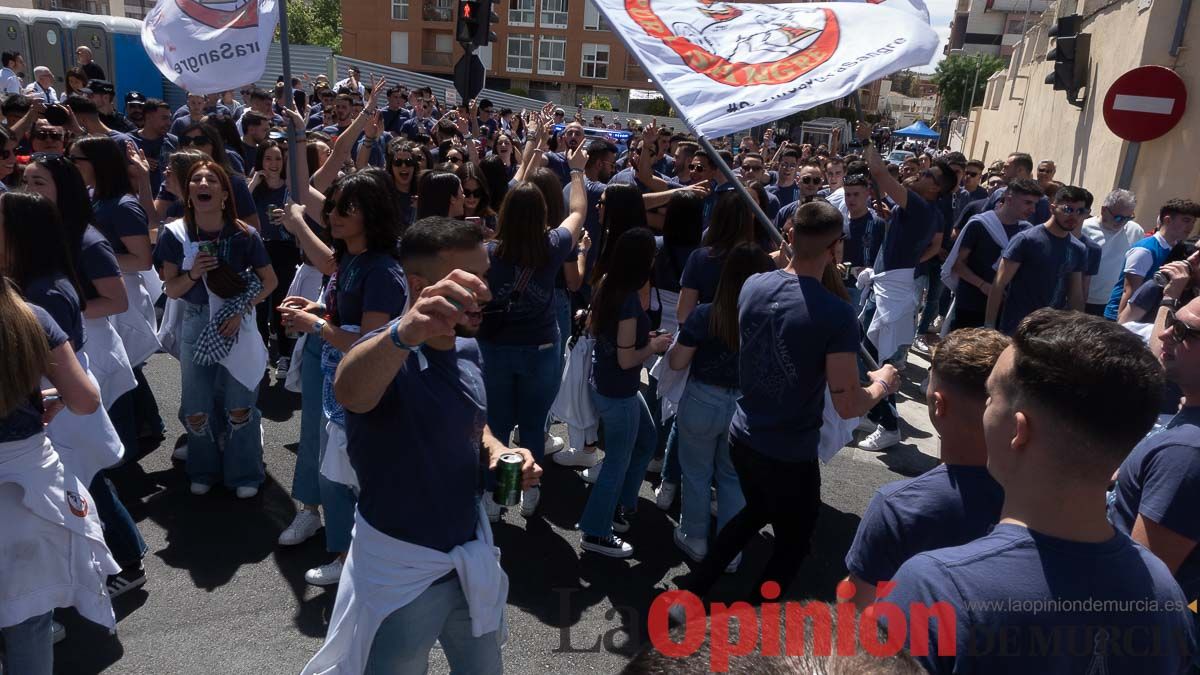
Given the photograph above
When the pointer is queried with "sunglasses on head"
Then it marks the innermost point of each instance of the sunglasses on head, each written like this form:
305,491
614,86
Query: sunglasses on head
471,194
345,208
43,135
185,141
811,180
1179,331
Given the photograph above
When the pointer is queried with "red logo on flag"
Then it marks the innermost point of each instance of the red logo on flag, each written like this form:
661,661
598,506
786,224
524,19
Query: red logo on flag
77,504
786,42
221,14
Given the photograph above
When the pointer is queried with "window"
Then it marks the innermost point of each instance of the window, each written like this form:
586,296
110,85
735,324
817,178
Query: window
552,56
595,62
554,13
520,54
437,10
400,10
520,13
1014,26
399,47
592,18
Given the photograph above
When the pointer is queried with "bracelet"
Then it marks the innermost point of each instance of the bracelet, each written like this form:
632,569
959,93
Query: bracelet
1169,303
886,389
394,333
575,171
318,327
189,276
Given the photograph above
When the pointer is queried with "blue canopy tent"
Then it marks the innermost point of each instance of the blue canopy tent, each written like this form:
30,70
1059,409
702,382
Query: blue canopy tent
918,129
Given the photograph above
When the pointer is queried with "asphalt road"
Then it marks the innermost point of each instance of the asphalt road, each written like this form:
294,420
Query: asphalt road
222,597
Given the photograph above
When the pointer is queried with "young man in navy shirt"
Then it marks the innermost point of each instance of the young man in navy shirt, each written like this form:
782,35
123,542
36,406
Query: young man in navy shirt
1042,266
1054,588
1157,497
417,439
952,504
797,339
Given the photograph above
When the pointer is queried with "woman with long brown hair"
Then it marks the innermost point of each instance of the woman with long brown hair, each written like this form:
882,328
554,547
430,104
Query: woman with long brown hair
219,267
54,553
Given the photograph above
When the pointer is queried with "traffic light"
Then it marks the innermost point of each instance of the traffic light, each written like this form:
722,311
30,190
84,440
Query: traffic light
1070,56
468,21
487,16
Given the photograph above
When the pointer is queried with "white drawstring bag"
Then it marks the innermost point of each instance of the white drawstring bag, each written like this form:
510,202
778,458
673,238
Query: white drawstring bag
671,382
573,404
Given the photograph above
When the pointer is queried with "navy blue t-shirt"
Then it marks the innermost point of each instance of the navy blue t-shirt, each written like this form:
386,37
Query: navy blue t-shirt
713,363
788,325
909,231
55,294
1047,263
265,196
591,222
96,261
416,453
608,378
118,217
1039,583
371,281
854,251
236,248
158,149
1041,212
1160,480
984,252
948,505
1091,266
26,419
530,318
702,273
669,263
243,201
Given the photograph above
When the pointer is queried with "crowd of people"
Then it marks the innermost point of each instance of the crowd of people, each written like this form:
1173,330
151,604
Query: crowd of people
441,284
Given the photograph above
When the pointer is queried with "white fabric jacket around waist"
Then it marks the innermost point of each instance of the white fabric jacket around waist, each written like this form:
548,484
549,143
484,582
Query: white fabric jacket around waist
383,574
87,444
54,553
893,325
108,360
138,325
305,284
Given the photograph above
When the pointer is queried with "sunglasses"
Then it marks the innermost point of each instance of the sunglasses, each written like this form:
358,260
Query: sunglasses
185,141
44,135
1071,210
346,208
696,167
472,194
411,161
1120,220
811,180
1180,331
1043,170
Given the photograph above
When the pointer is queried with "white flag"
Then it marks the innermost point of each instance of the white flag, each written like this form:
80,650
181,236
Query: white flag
209,46
729,66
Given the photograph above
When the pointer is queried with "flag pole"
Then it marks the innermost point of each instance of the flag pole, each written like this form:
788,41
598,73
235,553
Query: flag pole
293,142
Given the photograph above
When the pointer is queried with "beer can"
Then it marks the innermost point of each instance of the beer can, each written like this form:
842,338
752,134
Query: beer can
209,247
508,479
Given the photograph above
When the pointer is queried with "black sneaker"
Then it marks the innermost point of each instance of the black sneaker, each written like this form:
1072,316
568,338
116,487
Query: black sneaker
125,581
611,546
620,524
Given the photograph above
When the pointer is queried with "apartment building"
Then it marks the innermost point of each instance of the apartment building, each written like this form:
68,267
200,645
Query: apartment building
556,50
991,26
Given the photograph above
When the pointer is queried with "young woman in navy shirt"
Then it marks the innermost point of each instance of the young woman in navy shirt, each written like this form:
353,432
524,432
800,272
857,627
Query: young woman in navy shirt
624,341
209,217
269,187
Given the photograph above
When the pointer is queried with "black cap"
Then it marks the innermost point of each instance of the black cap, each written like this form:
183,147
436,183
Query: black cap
101,87
135,97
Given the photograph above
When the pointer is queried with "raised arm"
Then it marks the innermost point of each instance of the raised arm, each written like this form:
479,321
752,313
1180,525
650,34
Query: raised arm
577,159
888,185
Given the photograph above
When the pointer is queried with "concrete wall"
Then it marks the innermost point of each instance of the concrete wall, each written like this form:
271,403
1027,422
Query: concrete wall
1033,118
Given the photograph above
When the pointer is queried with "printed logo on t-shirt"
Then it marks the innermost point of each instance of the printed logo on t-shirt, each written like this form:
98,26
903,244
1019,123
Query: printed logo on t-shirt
77,504
767,356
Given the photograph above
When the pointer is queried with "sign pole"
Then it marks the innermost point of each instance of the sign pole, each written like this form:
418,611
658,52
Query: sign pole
1128,165
292,139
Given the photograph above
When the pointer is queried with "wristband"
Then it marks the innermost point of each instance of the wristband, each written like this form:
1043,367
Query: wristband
394,333
887,390
318,327
189,276
575,171
1169,302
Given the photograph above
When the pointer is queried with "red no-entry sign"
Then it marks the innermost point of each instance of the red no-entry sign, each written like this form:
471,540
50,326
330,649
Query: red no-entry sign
1145,103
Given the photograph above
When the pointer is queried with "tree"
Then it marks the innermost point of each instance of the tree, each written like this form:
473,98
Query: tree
956,74
658,106
597,103
315,22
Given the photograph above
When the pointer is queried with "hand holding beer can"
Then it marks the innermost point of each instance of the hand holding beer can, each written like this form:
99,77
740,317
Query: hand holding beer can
508,479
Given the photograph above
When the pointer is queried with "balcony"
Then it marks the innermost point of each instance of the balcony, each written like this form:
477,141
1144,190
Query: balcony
1034,6
432,10
436,59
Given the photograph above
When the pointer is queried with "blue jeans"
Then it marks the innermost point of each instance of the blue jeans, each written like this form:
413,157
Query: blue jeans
30,646
440,614
629,438
671,470
932,282
242,465
703,424
521,383
339,502
121,534
305,485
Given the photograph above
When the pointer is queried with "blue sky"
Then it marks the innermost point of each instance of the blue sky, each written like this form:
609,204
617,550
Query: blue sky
940,14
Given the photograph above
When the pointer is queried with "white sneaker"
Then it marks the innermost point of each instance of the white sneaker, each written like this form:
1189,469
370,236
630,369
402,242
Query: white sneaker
180,454
655,466
880,439
200,488
576,457
282,366
554,444
325,575
58,630
304,525
529,500
865,425
491,508
246,492
664,496
692,547
734,564
590,474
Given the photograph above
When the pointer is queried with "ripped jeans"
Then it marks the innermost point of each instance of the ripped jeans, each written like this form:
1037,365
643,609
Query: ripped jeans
240,463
